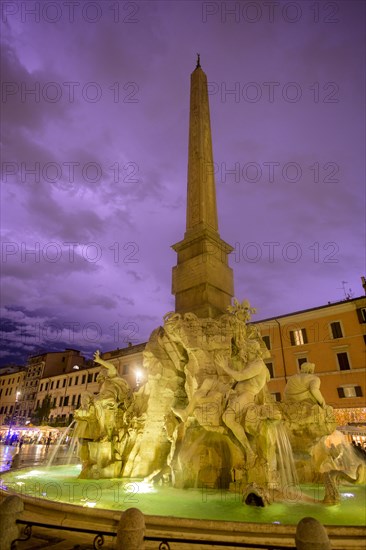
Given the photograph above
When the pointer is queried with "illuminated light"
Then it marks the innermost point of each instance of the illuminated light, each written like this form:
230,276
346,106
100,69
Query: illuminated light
348,495
20,483
31,474
142,487
90,504
277,522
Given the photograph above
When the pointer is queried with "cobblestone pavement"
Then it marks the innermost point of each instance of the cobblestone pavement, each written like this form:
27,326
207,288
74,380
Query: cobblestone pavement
30,455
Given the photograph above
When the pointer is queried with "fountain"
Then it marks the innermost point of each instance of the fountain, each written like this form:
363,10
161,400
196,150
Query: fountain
205,417
205,422
202,438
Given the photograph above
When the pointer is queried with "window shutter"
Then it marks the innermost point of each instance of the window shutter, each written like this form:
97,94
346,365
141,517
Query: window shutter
361,315
336,329
340,392
270,368
266,340
343,361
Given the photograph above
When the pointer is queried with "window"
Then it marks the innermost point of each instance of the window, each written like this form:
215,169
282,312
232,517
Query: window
73,400
79,400
83,379
64,382
41,388
298,337
66,400
51,386
301,360
76,380
270,368
350,391
95,377
336,329
63,359
57,384
361,314
90,377
60,402
70,381
267,341
54,402
343,361
126,369
276,396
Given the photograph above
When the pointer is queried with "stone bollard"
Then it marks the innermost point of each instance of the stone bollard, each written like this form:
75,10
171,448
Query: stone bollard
10,508
311,535
131,530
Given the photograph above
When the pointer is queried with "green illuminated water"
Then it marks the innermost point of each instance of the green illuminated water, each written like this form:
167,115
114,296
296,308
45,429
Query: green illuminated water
60,484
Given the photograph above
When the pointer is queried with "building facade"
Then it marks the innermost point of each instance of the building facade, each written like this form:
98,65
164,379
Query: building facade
64,393
11,382
60,379
39,367
331,336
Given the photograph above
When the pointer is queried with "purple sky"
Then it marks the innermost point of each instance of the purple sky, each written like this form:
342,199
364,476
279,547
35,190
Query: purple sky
106,134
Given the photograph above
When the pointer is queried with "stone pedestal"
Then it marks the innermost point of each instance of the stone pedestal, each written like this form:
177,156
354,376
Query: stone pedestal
311,535
131,530
10,509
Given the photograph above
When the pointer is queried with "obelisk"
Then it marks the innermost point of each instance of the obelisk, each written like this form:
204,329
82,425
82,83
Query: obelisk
202,279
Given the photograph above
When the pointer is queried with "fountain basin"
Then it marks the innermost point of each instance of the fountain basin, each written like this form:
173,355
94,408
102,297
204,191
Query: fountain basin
56,496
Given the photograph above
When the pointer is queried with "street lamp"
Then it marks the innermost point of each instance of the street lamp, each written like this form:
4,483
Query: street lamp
139,376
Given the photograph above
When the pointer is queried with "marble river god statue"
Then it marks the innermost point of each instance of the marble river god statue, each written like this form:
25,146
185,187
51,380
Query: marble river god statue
204,417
